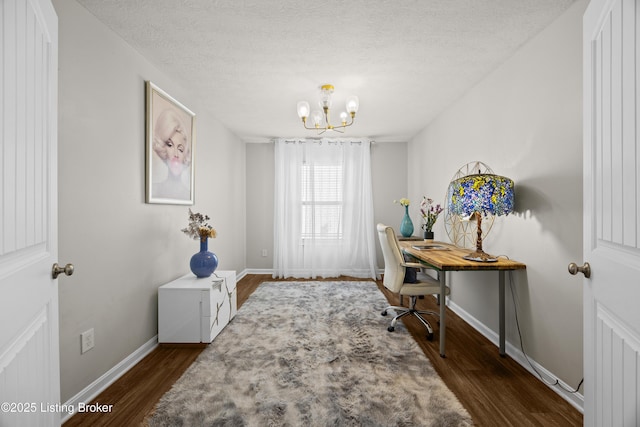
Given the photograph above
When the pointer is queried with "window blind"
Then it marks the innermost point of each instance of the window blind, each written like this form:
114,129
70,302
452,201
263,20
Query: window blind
321,188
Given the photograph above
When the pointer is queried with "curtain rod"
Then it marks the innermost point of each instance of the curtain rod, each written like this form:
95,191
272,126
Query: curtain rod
321,140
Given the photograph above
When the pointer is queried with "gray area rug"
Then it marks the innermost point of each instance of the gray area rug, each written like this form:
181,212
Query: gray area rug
311,354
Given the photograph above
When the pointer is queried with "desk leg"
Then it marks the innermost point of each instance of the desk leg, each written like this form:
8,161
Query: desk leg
443,305
501,298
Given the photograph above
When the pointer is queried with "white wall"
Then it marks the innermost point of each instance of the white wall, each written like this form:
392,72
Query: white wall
260,197
122,248
389,182
524,121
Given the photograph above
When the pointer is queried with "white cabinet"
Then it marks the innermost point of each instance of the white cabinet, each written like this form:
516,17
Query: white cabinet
193,310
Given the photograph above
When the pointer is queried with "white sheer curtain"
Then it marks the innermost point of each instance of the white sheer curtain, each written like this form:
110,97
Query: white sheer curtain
323,219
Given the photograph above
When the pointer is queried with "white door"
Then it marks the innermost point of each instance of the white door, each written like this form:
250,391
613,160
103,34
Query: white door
29,357
612,213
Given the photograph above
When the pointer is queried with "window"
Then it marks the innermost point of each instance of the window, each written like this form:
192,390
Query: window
321,188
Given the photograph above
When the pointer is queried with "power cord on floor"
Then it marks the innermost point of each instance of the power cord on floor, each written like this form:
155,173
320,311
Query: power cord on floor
515,310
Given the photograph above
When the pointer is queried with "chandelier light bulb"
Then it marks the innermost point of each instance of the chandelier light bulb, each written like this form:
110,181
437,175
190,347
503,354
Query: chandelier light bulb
303,109
343,117
353,103
316,116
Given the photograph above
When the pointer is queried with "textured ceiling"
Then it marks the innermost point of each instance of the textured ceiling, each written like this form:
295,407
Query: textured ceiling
252,60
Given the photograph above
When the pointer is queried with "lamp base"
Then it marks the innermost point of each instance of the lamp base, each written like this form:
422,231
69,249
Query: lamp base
480,256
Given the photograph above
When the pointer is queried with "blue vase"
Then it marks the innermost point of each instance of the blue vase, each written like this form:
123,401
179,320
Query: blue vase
204,263
406,226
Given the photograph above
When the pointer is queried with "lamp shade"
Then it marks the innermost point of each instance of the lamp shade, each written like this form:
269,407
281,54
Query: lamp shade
353,103
326,91
482,193
316,117
303,109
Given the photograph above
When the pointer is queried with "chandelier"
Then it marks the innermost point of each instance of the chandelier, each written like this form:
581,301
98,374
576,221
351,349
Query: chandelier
321,119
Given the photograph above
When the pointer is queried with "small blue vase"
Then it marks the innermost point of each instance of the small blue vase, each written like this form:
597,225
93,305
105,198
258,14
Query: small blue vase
204,263
406,226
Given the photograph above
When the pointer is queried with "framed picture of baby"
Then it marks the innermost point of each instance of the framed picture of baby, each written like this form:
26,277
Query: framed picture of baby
170,141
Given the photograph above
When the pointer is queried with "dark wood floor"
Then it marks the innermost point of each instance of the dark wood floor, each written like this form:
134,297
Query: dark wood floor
496,391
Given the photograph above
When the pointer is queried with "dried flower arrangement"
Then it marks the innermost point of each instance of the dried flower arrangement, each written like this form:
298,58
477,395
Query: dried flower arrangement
198,227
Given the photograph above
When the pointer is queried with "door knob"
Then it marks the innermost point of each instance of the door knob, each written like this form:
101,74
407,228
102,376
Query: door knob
585,269
56,270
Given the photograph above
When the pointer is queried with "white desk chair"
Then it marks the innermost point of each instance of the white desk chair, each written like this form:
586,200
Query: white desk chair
394,272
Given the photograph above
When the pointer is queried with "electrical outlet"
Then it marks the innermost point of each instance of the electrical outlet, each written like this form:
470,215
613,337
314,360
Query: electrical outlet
87,341
264,252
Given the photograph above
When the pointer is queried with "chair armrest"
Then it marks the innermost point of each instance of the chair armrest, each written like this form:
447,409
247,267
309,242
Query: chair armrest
421,267
413,264
416,263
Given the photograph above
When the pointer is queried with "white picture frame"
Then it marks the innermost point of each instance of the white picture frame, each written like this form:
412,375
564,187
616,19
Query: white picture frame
170,149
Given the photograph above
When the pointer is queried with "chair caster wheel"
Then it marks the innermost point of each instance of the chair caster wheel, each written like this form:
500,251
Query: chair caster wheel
430,337
384,313
391,329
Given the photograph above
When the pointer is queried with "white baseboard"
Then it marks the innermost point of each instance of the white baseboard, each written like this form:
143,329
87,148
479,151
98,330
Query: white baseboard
98,386
241,275
257,271
575,399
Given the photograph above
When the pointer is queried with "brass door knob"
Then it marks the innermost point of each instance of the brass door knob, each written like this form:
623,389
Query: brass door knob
585,269
56,270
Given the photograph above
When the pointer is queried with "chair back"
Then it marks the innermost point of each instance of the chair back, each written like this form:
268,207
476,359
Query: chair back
393,260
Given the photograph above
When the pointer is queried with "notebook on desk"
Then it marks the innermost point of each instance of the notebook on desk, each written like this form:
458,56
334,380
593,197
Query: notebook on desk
429,247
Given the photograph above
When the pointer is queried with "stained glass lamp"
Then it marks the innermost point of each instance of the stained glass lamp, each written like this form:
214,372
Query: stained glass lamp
479,195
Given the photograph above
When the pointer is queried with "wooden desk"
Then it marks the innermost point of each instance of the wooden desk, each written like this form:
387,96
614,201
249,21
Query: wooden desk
451,260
